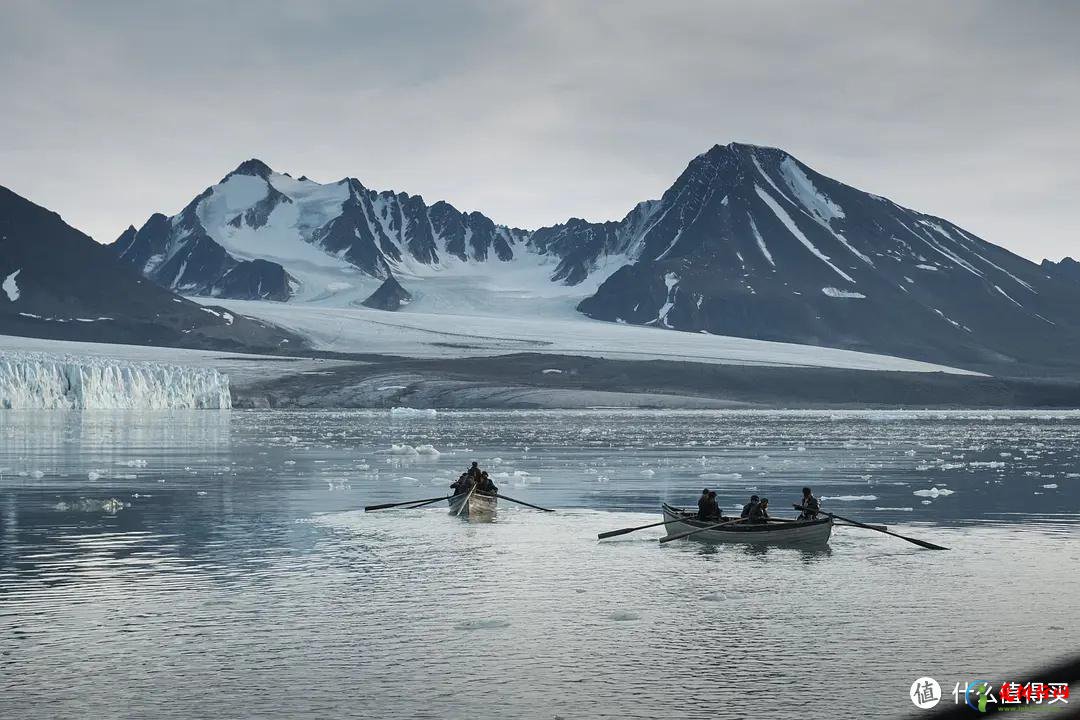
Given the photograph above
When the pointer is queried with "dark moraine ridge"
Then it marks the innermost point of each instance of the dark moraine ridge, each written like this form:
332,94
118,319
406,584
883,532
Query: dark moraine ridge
520,381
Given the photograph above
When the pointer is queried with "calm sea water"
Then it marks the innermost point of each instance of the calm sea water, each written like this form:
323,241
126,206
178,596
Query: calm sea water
219,565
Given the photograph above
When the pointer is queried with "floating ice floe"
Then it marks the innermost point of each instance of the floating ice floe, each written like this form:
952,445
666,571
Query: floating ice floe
720,476
1050,486
849,498
428,450
933,492
895,509
413,412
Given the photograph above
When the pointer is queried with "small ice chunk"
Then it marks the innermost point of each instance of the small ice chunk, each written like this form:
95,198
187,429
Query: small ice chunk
934,492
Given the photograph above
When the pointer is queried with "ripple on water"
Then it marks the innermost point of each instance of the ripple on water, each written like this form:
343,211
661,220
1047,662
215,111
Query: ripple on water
271,597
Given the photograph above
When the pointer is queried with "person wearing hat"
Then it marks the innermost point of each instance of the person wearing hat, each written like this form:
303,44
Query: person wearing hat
749,507
703,505
474,471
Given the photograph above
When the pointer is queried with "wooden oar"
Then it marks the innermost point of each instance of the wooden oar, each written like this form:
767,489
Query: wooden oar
522,502
428,502
845,524
613,533
465,502
370,508
680,536
920,543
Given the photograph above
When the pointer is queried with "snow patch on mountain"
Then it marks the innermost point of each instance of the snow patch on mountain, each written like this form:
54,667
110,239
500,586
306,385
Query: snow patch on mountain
837,293
11,287
782,215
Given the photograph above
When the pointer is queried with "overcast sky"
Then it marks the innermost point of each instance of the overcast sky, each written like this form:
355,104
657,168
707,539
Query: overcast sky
534,112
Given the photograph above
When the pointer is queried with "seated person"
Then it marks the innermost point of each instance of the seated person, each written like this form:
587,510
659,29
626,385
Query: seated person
485,485
462,484
703,505
760,512
810,504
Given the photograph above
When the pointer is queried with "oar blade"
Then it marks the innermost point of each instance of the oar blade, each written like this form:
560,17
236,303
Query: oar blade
923,543
913,541
624,531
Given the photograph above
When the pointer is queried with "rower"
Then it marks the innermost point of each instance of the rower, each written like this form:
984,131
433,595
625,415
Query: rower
760,512
703,505
749,507
811,504
485,485
461,484
474,471
713,506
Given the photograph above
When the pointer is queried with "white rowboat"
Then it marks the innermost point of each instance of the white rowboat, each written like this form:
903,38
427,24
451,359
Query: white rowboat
473,506
804,533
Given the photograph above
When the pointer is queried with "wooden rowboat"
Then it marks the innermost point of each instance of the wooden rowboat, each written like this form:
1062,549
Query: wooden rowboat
473,506
802,533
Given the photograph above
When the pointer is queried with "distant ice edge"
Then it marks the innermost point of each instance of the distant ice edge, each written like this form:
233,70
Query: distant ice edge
56,382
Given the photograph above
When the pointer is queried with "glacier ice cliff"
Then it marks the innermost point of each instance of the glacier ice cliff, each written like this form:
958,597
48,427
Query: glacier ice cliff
52,381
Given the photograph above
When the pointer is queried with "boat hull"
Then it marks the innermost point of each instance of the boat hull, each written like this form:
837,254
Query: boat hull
473,507
811,533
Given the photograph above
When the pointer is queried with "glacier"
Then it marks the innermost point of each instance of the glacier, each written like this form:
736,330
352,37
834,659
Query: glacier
55,381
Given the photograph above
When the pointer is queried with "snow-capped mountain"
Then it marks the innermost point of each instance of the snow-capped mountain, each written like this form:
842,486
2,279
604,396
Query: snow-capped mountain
55,282
748,242
258,234
751,242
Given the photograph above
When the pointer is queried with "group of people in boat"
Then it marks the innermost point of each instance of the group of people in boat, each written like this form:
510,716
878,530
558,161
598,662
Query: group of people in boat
755,511
474,480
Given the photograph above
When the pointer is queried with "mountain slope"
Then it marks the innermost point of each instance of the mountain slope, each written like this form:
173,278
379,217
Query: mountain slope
1068,269
289,238
747,242
751,242
58,283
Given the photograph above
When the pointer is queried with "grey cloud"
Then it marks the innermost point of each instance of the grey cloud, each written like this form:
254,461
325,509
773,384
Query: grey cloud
534,112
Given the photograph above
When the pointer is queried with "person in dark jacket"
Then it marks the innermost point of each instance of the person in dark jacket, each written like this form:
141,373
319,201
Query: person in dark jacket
714,506
811,505
748,507
462,484
760,512
703,505
485,485
474,471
